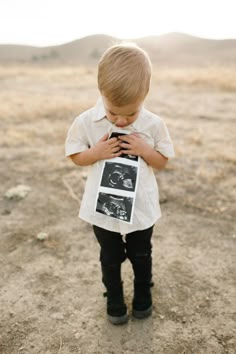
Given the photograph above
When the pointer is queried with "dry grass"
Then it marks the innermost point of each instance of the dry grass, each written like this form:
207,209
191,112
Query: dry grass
49,74
220,78
32,93
26,107
38,103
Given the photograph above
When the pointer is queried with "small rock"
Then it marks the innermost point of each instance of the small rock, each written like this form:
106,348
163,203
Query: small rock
18,192
231,341
6,212
162,317
41,236
174,309
163,199
58,316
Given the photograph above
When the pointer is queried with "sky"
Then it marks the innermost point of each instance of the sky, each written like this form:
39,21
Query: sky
53,22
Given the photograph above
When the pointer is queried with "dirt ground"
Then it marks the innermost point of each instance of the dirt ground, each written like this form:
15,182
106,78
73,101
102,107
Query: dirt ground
51,295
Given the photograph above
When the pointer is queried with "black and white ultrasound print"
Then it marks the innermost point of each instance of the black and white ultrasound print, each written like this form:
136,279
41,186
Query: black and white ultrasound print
118,186
115,206
119,176
126,156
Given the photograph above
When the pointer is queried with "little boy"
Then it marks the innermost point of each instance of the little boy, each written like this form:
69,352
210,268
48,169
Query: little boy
124,74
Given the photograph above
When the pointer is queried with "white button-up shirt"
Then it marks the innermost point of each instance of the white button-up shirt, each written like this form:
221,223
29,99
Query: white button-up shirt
85,132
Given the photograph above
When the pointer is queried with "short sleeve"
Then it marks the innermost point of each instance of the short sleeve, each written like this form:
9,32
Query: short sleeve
76,140
163,142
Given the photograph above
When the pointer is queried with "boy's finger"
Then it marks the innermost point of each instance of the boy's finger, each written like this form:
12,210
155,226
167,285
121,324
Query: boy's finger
125,145
115,154
116,149
114,143
127,152
125,138
105,137
112,140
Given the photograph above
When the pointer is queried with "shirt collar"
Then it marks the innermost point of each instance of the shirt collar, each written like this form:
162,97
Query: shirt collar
100,113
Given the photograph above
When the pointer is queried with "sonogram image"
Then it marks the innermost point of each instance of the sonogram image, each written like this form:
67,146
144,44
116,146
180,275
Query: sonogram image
117,189
119,176
118,207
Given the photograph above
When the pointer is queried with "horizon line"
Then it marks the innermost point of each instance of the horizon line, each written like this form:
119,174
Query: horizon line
115,37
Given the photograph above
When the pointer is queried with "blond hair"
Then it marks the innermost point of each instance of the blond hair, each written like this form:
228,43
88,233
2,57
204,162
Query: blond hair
124,73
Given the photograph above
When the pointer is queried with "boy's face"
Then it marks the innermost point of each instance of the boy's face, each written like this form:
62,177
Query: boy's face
122,116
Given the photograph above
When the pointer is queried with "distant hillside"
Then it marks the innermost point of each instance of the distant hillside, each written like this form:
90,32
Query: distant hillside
169,49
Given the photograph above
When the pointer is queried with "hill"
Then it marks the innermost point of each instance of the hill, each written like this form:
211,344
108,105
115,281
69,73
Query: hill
169,49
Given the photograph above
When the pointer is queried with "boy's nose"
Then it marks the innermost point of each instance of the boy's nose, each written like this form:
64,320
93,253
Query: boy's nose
121,121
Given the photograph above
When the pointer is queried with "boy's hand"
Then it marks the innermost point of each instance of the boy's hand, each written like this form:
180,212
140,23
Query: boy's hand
106,148
133,144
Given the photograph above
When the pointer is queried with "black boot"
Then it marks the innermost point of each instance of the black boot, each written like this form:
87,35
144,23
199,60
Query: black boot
142,300
116,307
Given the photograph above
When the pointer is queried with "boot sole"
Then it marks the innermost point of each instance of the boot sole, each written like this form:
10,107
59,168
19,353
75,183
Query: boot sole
118,320
142,314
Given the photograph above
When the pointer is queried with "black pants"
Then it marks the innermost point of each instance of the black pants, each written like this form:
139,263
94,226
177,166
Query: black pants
114,250
137,247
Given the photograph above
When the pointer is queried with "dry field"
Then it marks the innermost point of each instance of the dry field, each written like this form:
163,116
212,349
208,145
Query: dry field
50,291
